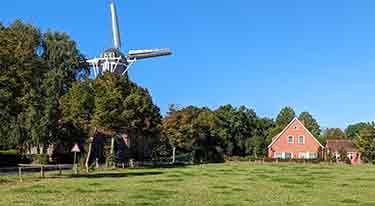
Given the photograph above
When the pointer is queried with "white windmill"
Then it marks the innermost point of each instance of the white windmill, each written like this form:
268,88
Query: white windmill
113,60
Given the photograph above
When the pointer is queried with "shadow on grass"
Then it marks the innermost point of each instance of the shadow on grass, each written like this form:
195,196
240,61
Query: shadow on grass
108,175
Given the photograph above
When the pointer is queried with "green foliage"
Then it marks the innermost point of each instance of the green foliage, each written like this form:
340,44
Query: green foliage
285,116
212,134
343,155
36,70
310,123
353,131
334,133
40,159
366,144
77,105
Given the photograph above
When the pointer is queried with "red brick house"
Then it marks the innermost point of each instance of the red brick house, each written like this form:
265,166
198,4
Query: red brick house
334,147
296,142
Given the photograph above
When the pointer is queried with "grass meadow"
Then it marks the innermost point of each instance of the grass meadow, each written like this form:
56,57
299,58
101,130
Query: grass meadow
212,184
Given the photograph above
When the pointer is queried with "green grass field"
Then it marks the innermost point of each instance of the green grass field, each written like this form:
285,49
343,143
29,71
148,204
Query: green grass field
213,184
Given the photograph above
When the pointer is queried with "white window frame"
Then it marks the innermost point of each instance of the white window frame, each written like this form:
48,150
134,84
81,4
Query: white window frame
282,155
278,155
303,138
290,136
313,155
350,155
291,155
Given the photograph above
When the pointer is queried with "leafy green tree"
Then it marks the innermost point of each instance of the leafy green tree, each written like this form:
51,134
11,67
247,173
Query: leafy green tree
36,70
366,144
284,117
242,127
208,137
260,139
343,155
21,68
353,131
177,127
310,123
334,133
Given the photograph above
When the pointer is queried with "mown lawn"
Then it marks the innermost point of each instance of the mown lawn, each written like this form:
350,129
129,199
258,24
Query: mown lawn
213,184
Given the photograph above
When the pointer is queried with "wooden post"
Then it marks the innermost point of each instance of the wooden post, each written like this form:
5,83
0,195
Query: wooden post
42,172
173,154
89,154
60,170
20,173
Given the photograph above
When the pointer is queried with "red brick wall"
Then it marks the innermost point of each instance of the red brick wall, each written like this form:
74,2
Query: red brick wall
295,129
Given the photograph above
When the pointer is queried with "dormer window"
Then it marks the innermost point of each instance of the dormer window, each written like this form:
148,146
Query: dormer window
290,140
301,140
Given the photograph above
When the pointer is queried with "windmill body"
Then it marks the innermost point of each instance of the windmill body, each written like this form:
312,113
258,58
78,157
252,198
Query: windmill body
113,60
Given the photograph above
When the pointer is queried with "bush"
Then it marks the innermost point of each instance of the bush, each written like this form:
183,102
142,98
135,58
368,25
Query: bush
240,158
40,159
11,158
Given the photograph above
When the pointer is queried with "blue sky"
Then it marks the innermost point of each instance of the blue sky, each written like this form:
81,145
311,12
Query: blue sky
317,55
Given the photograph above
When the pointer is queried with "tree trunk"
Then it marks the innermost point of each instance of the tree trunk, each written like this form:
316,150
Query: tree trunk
89,154
112,145
173,154
41,148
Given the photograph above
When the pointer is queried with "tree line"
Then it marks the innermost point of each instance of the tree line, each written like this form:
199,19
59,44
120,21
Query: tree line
47,98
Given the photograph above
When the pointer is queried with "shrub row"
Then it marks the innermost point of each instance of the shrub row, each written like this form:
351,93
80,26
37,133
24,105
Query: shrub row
12,158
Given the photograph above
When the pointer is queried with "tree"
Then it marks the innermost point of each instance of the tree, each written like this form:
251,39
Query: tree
284,117
310,123
366,144
334,133
112,103
176,128
208,137
353,131
21,69
36,70
244,130
171,130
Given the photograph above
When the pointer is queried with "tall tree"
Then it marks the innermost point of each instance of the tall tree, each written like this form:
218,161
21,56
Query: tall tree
177,127
284,117
208,137
112,103
310,123
334,133
353,131
21,69
366,144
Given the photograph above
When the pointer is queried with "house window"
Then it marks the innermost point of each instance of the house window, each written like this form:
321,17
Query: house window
290,140
288,155
303,155
278,155
337,155
301,140
350,155
313,155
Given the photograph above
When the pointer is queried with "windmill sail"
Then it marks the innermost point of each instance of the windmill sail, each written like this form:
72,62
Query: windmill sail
115,27
148,53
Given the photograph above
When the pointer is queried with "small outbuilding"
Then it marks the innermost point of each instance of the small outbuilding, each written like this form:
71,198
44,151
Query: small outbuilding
336,147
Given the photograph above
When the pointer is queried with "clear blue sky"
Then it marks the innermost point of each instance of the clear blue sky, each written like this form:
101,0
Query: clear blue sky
316,55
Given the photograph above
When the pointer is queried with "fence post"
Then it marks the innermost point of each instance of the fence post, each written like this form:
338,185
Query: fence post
42,172
60,171
20,173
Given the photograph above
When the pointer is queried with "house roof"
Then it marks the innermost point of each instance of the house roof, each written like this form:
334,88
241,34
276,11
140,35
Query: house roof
339,144
290,123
